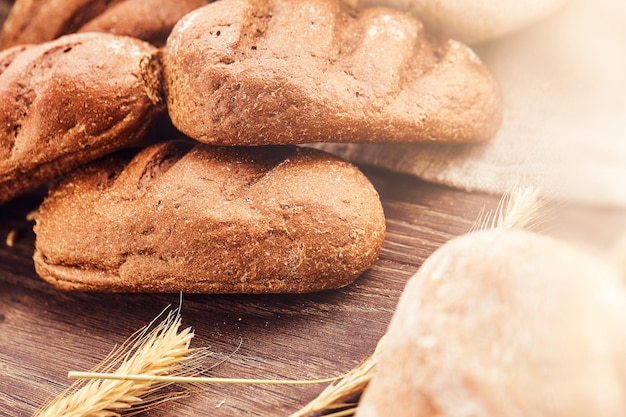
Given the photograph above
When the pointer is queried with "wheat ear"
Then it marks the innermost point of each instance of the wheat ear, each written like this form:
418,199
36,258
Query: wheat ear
341,395
517,210
164,350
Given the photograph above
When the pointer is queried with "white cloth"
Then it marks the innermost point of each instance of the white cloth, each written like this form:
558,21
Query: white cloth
563,82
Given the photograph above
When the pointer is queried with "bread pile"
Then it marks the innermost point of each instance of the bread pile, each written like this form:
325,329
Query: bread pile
496,323
185,216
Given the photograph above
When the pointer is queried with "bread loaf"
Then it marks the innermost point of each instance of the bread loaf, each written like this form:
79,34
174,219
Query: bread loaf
189,217
254,72
36,21
505,324
69,101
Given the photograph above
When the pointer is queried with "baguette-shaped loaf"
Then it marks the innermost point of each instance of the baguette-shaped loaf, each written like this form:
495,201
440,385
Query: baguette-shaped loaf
36,21
69,101
252,72
201,219
505,323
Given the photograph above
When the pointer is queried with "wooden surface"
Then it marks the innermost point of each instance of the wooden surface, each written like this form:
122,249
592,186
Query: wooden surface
44,333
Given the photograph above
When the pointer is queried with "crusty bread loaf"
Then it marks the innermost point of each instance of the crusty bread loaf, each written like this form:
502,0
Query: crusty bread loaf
69,101
252,72
36,21
505,324
183,216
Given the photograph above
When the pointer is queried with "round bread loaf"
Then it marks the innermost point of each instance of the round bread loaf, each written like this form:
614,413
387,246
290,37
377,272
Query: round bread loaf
201,219
474,21
36,21
255,72
72,100
505,324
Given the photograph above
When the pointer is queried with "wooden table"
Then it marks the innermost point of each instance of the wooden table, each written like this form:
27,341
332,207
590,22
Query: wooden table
44,333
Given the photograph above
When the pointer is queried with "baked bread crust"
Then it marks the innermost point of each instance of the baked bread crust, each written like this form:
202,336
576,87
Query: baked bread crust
182,216
254,72
36,21
62,105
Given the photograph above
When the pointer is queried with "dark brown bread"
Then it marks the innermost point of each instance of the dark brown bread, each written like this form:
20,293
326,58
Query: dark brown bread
189,217
251,72
70,101
36,21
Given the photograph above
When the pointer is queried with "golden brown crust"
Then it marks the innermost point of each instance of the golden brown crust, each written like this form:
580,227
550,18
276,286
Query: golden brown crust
36,21
250,72
61,105
195,218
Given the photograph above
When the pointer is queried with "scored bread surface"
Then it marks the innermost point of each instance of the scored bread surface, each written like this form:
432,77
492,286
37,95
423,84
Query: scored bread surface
254,72
69,101
195,218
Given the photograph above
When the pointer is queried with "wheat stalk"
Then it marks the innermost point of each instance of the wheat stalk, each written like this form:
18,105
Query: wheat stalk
199,380
164,350
131,376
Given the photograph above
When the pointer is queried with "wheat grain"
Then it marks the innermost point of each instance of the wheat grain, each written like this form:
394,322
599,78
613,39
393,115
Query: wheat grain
11,237
31,216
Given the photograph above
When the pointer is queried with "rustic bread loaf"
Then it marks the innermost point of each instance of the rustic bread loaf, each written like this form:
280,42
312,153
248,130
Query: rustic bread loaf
69,101
505,324
183,216
36,21
252,72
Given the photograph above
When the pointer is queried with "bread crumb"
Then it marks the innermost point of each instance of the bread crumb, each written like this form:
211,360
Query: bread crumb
11,237
32,215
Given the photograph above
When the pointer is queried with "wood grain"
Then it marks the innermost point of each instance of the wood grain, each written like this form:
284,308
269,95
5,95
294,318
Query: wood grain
44,333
